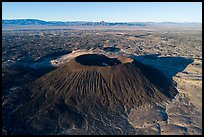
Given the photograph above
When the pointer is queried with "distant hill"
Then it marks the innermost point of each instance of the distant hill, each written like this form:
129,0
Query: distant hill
29,24
69,23
24,22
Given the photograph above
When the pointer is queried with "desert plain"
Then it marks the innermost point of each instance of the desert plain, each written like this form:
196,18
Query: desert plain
30,53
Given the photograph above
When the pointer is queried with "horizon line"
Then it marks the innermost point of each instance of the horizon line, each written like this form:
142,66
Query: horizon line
106,21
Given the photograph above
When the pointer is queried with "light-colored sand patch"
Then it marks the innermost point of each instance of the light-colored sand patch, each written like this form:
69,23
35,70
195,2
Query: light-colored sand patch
184,113
132,38
190,83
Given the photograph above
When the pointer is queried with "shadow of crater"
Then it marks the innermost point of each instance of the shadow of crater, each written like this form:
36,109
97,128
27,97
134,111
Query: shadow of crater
162,70
170,66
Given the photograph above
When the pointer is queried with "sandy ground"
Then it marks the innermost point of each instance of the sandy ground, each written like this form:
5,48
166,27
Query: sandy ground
130,28
181,116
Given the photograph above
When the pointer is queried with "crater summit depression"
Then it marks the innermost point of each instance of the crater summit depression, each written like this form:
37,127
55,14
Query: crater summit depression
100,60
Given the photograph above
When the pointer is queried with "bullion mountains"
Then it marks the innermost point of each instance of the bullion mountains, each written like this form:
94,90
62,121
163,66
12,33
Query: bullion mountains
87,23
60,23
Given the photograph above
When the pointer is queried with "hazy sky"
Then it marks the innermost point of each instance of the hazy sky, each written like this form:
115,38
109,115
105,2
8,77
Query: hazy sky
106,11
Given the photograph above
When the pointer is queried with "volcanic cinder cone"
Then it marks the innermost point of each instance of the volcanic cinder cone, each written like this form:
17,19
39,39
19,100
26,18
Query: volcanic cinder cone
90,83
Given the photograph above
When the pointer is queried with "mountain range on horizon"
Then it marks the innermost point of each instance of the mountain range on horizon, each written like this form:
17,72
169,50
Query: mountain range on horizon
88,23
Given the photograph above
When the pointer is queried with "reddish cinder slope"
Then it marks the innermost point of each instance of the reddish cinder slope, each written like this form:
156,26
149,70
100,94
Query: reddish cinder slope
90,83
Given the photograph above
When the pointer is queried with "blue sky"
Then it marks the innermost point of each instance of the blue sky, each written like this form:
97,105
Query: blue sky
106,11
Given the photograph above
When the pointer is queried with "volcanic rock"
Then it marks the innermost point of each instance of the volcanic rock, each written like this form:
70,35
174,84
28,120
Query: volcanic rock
85,94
